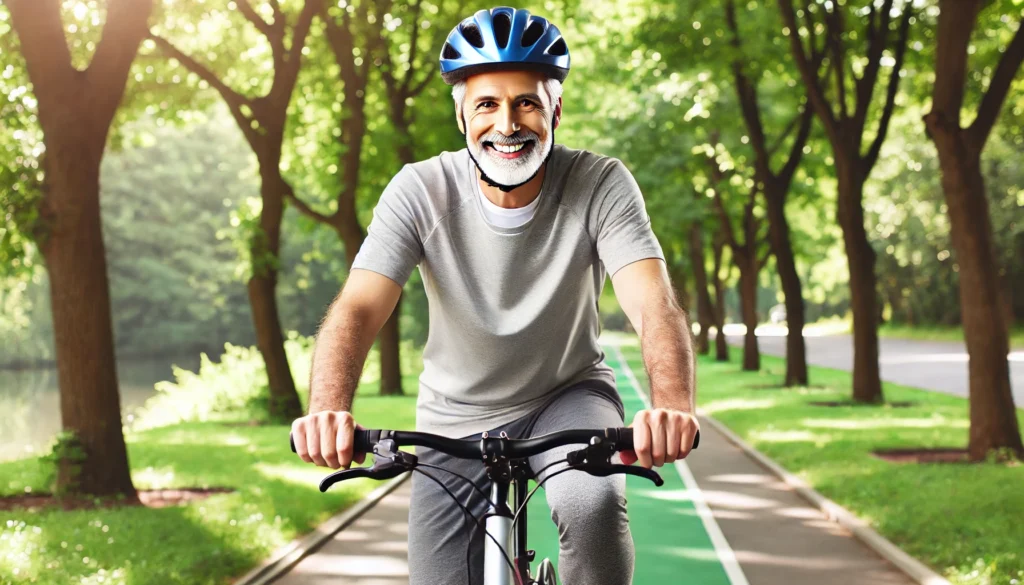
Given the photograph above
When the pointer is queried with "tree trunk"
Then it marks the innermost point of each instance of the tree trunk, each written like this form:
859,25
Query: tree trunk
264,249
80,301
721,347
992,412
390,367
867,383
351,233
782,249
748,305
705,312
75,110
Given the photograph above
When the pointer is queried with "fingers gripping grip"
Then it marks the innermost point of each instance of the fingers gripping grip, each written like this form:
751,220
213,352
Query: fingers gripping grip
625,438
364,441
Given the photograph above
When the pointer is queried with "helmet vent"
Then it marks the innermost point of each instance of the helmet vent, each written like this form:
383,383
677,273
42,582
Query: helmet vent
532,33
472,34
449,52
502,28
558,48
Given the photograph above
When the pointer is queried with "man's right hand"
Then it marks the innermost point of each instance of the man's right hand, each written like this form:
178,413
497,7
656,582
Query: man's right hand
326,438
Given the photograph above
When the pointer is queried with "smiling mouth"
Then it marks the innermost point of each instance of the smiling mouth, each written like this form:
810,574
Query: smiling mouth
508,151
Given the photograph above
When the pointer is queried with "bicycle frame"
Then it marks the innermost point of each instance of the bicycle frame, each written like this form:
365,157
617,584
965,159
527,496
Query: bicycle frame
505,476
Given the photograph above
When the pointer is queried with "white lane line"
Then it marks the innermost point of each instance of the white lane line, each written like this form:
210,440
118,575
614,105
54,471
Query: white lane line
725,553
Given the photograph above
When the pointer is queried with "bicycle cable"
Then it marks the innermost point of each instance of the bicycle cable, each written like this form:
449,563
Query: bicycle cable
515,518
469,575
469,481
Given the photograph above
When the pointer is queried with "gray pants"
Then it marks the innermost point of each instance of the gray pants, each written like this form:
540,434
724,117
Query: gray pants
590,512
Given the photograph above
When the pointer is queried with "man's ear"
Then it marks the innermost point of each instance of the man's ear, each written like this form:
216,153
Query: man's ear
459,120
558,113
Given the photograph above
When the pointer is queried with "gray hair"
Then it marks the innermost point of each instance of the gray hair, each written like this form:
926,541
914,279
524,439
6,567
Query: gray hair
552,87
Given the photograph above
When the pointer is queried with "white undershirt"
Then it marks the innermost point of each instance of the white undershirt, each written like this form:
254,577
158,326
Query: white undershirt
506,218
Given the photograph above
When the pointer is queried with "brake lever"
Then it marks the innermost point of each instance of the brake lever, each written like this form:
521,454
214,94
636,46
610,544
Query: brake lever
388,462
604,470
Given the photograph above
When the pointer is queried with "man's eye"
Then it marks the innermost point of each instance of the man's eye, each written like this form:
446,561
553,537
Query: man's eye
528,104
484,105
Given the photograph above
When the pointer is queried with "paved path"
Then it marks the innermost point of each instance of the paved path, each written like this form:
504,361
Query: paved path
719,518
931,365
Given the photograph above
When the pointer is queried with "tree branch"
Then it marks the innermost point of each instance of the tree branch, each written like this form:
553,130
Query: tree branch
878,39
834,38
124,30
723,216
294,59
307,210
988,110
342,43
414,22
250,14
419,87
796,152
894,83
809,75
234,100
40,32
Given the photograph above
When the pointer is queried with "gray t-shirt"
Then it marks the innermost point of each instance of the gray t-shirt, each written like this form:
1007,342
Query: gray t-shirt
513,312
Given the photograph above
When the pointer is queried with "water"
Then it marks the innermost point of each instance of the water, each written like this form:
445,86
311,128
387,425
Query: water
30,401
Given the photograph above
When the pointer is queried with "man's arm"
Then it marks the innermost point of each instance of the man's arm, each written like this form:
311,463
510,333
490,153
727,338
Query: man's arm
645,293
346,335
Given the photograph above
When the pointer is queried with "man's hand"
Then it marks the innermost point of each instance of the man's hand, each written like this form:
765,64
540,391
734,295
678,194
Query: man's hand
326,438
661,436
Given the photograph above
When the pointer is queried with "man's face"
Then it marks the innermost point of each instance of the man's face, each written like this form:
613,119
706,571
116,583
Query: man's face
508,121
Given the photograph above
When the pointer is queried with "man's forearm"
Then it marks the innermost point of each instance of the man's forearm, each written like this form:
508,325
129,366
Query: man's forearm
668,354
340,352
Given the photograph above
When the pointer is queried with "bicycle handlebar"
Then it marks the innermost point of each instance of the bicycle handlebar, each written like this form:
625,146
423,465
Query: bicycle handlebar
621,437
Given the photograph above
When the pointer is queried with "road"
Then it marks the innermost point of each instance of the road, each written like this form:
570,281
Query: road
930,365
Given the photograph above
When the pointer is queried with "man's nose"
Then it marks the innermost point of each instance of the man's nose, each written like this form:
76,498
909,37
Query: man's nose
508,121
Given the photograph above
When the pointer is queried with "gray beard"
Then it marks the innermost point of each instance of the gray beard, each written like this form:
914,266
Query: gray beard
511,171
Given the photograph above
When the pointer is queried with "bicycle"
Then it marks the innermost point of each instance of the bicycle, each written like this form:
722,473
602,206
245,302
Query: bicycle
509,473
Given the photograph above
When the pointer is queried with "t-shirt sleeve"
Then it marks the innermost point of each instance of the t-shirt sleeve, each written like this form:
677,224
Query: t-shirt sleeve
393,244
624,233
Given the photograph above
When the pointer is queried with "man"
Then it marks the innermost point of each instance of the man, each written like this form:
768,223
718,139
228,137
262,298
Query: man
513,237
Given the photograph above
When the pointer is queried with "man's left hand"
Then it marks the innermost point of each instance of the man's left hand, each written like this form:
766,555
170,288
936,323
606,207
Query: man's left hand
661,436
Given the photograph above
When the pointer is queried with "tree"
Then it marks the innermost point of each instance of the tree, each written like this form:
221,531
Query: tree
993,416
76,109
748,253
775,186
845,131
262,120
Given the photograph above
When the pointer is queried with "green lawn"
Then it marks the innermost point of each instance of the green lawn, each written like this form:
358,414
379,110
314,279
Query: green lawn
940,333
205,542
965,521
920,332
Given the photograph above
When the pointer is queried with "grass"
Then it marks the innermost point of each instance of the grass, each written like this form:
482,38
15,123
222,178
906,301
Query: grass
965,521
940,333
210,541
835,325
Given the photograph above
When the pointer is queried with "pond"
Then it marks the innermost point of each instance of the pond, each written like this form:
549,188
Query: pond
30,400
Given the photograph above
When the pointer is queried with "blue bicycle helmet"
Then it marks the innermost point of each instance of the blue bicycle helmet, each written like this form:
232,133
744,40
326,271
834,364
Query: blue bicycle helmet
501,39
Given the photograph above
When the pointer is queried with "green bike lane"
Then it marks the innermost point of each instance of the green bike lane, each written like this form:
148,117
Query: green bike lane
672,526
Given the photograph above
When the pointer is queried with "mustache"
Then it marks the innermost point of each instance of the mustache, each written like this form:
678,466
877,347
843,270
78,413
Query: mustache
518,138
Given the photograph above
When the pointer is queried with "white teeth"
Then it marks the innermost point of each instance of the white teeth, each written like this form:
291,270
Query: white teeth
509,149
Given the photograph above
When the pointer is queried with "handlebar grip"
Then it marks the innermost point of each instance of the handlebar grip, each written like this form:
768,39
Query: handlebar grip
625,441
364,441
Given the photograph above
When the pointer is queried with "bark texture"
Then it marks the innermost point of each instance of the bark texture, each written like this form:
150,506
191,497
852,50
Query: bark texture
992,410
76,109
